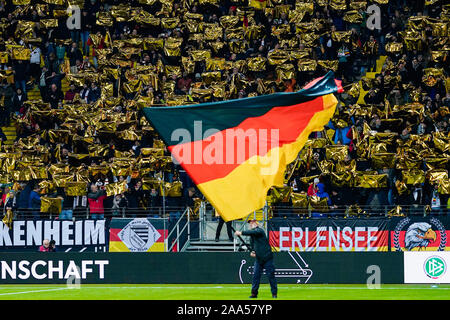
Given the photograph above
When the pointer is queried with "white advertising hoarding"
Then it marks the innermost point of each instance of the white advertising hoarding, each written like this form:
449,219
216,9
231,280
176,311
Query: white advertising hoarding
427,267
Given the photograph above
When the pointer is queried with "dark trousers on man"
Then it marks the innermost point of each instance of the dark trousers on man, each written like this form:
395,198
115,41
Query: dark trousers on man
258,269
219,228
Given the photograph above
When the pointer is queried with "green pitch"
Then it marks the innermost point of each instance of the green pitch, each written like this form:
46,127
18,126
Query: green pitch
222,292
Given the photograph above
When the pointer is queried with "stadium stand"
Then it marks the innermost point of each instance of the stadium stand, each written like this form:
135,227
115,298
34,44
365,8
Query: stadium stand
72,100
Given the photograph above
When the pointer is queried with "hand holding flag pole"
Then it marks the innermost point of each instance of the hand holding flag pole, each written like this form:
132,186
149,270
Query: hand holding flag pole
242,240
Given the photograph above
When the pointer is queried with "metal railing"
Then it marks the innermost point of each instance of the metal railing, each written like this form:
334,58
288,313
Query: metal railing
356,211
179,233
85,213
268,212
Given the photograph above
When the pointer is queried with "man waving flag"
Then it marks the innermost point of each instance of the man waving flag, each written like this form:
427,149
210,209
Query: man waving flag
236,150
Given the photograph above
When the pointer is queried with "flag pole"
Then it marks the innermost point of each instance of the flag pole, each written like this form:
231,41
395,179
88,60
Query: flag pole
242,240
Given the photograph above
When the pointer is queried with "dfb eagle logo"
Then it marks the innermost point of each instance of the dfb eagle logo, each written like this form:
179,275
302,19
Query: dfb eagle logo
419,235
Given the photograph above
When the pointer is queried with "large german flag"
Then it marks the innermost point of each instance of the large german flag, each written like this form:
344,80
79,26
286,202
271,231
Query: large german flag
236,150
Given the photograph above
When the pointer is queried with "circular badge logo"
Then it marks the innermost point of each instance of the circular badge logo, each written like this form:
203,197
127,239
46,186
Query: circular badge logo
418,234
434,267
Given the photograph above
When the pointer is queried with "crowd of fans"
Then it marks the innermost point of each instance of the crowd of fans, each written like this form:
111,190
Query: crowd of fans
85,139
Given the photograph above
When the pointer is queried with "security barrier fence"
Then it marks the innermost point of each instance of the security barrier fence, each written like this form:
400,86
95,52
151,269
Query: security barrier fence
209,213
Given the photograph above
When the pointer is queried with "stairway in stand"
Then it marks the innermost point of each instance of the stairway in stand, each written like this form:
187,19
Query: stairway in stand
370,75
34,94
211,246
224,245
10,133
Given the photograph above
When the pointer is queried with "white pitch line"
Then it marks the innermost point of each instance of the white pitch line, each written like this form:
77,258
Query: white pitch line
23,292
243,287
220,287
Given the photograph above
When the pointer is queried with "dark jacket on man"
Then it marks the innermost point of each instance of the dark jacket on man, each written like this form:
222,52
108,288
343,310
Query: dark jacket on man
134,197
54,97
18,101
23,197
259,243
74,55
21,70
8,92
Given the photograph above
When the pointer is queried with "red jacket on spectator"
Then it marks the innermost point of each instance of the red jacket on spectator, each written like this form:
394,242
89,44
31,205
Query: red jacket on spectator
70,95
43,249
96,205
312,190
101,45
349,135
290,85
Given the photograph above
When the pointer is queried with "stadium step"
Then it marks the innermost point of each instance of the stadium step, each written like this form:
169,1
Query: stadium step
211,246
380,62
370,75
10,133
34,94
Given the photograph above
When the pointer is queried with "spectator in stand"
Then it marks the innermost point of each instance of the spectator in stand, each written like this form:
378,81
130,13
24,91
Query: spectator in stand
136,149
84,92
154,201
290,85
23,196
19,98
87,23
43,83
84,65
189,197
7,94
20,75
96,46
10,201
338,203
436,204
184,82
120,203
56,78
45,246
66,207
95,199
55,96
321,194
313,189
34,202
35,62
94,93
52,64
60,53
52,246
5,195
229,229
74,54
70,94
370,49
135,196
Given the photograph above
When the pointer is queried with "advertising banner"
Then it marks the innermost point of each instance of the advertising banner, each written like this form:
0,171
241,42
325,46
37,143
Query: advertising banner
420,233
138,235
426,267
352,234
294,268
69,235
